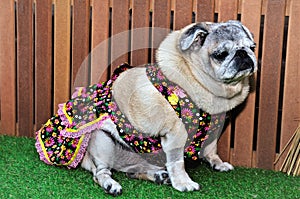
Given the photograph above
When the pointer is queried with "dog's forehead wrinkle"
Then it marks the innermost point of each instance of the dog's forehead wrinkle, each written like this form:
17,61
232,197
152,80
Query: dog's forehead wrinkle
225,32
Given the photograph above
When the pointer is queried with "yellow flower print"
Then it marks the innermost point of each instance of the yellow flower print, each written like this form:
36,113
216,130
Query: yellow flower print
173,99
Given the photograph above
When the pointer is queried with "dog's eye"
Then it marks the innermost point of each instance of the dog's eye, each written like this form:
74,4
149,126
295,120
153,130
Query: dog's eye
252,48
220,56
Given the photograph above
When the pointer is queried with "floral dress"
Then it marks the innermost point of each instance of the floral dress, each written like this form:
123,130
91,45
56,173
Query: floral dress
63,139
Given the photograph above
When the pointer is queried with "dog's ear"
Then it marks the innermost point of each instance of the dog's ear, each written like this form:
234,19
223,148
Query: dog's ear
196,33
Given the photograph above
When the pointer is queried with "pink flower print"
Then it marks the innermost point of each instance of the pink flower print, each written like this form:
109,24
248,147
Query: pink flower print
160,76
112,106
49,153
190,150
179,92
152,140
60,140
49,128
195,121
170,90
187,113
114,118
129,137
74,143
82,107
49,142
68,106
128,125
69,154
159,88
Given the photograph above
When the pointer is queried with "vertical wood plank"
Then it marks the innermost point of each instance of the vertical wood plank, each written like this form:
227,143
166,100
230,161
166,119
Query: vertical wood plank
25,67
61,52
291,96
227,11
100,34
120,32
183,13
43,68
160,23
205,10
7,67
140,32
80,43
270,81
244,123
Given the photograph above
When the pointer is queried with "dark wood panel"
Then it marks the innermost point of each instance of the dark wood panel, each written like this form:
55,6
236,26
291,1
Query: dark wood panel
43,69
80,43
25,67
140,32
291,95
205,10
120,32
227,10
270,82
183,13
160,23
244,123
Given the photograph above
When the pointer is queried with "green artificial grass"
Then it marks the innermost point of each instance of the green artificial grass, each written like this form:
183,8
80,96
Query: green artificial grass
23,175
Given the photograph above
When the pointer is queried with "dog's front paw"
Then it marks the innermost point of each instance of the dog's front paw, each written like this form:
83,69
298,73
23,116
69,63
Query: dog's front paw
179,178
182,185
224,166
112,187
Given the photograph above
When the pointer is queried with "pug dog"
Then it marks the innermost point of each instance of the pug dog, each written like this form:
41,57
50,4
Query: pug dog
211,64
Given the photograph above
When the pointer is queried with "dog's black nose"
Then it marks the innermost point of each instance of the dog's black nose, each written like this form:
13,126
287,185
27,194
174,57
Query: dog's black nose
241,53
244,62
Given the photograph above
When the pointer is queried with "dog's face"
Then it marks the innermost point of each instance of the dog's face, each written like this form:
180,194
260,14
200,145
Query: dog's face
225,51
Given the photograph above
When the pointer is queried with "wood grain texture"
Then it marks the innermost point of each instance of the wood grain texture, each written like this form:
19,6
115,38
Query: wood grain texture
244,122
183,12
99,41
140,32
80,44
205,10
43,65
270,81
120,32
227,10
62,40
291,94
25,67
160,23
7,68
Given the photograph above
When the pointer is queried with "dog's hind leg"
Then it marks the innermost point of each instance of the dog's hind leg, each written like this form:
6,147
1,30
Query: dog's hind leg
135,166
99,160
210,154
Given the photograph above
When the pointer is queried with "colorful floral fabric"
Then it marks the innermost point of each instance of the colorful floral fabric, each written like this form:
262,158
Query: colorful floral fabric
64,138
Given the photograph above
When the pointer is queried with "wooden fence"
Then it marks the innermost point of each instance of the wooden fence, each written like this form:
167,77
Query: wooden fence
44,43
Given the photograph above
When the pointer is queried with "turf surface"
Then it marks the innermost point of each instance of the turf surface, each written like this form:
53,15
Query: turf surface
23,175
